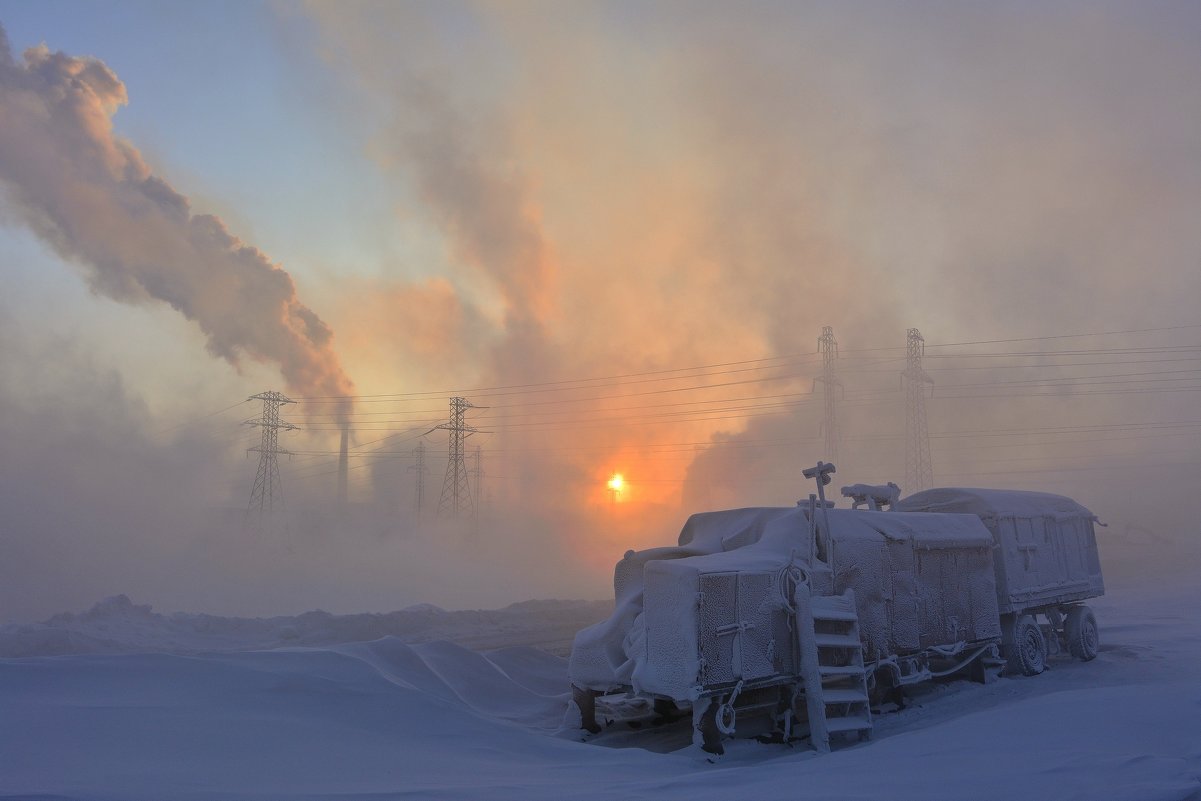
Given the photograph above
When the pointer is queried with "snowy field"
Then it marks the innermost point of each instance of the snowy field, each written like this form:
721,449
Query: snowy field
122,703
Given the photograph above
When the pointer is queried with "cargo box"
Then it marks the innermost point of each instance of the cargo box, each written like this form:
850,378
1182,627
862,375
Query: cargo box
1044,546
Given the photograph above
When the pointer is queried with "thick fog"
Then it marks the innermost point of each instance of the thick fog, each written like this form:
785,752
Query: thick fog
629,225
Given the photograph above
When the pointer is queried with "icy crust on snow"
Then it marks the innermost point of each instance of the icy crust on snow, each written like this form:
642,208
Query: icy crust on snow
117,625
991,503
919,580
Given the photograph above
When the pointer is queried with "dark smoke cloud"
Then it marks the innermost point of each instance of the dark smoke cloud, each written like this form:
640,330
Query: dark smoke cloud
91,196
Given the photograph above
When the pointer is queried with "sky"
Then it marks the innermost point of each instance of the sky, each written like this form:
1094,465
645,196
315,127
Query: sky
621,228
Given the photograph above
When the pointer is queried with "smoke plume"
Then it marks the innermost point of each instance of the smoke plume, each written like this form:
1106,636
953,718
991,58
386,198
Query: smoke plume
648,187
617,191
90,195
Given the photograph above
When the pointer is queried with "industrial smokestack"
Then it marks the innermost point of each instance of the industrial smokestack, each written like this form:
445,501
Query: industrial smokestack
343,467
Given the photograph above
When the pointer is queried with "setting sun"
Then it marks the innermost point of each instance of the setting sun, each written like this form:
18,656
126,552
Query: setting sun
617,483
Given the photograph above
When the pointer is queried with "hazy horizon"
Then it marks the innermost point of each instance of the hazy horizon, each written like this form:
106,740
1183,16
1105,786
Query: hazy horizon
618,229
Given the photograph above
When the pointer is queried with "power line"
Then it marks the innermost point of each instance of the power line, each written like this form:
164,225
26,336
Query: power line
762,410
505,410
1189,326
809,357
565,413
355,455
202,418
557,386
413,432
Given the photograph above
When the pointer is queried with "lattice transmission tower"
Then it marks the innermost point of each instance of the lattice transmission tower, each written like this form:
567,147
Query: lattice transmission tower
919,470
456,488
344,469
267,494
827,346
477,482
418,466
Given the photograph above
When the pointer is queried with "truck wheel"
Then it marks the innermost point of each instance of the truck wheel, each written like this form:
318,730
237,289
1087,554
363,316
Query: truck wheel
1081,631
1029,647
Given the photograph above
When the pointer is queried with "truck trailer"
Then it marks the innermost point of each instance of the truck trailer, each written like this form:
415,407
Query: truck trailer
794,621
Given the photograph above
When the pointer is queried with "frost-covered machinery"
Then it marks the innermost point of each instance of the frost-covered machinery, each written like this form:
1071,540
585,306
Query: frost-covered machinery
794,621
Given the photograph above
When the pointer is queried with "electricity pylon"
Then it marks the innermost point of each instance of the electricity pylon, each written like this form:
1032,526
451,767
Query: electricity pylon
919,471
827,346
266,482
419,467
344,469
477,482
456,488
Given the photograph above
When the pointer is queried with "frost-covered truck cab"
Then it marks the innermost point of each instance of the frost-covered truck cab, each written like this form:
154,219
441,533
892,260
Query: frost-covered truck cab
794,620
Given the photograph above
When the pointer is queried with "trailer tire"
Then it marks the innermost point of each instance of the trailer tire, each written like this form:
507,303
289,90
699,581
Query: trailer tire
1081,631
1029,649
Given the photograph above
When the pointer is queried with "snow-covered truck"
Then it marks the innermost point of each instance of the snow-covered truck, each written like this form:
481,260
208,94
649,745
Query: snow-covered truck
793,621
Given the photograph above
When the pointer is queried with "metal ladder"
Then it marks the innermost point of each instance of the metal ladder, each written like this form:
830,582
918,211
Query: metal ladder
832,666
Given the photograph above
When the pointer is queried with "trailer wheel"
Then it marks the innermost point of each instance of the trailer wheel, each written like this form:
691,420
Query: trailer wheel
1081,631
1029,647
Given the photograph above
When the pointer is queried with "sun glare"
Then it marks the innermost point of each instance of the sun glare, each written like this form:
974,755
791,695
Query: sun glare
617,483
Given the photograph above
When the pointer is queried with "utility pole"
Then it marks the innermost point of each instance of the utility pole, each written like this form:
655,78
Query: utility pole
419,467
919,470
266,482
456,488
827,346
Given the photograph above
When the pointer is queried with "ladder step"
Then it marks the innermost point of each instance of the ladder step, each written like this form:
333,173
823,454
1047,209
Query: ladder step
841,671
828,629
839,615
844,697
853,723
838,603
837,641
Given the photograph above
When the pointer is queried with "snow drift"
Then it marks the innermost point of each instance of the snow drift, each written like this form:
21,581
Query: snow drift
387,720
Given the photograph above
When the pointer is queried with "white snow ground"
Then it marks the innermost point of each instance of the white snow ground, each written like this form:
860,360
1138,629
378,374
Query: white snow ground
203,717
117,625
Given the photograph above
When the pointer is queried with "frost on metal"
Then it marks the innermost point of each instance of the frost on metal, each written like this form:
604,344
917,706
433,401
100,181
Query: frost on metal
788,619
1046,548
